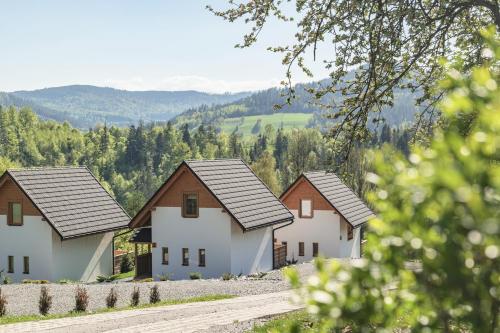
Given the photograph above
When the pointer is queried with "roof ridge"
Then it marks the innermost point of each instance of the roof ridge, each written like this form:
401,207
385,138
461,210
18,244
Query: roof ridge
213,159
49,168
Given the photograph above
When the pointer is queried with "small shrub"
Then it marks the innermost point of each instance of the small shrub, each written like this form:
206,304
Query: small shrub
28,281
127,264
165,276
103,278
195,276
111,298
145,280
66,281
3,304
6,280
228,276
45,301
81,299
134,301
154,294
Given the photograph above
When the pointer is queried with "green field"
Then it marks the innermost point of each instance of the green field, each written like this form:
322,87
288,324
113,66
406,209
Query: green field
245,124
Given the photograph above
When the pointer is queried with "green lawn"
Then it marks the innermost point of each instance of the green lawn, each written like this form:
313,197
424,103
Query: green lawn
285,323
125,275
17,319
245,124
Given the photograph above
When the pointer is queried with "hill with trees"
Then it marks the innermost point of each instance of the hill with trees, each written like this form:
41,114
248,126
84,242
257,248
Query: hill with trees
85,106
228,117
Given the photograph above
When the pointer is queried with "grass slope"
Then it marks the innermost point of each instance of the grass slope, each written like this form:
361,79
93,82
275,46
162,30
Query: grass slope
245,124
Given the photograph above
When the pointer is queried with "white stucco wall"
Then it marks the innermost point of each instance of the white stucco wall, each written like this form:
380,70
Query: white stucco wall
326,229
83,258
32,239
251,251
210,231
350,248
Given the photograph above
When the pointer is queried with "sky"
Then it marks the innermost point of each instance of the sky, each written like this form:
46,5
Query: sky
135,45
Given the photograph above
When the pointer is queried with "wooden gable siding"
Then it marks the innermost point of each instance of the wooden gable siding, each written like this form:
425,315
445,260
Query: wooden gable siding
10,192
304,190
186,182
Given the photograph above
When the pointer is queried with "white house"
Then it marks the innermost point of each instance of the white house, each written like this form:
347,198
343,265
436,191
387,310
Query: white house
211,217
328,218
56,223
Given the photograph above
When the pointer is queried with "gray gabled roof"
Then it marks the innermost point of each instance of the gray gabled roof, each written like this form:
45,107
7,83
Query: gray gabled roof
340,196
245,197
71,200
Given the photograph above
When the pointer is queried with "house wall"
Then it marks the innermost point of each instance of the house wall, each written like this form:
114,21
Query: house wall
210,231
326,227
32,239
323,228
84,258
251,251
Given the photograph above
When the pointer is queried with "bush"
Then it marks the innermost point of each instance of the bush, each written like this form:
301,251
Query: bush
228,276
164,276
195,276
45,301
6,280
66,281
81,299
127,264
134,301
154,294
440,205
28,281
145,280
3,304
102,278
111,298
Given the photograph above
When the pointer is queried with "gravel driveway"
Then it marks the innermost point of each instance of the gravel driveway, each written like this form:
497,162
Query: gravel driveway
23,298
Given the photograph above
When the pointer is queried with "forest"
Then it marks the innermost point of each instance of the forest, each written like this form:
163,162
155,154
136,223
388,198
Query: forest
133,162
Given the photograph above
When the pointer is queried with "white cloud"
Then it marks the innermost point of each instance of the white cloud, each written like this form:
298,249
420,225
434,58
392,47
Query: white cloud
191,82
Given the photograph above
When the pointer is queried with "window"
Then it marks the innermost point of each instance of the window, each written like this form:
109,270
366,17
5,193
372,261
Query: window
301,249
185,257
190,205
15,214
285,244
26,265
201,257
11,265
306,208
349,232
164,255
315,249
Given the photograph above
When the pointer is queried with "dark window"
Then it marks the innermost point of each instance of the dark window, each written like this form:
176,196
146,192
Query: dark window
285,244
315,249
350,232
301,249
201,257
185,257
11,265
26,265
164,255
306,209
15,214
190,205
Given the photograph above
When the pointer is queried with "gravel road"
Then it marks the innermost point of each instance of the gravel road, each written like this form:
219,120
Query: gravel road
23,298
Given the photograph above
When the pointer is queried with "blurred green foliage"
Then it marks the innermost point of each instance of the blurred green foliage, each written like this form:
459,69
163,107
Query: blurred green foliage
431,259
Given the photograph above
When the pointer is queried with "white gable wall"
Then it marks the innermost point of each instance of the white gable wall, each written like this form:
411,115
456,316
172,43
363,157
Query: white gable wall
251,251
211,231
323,228
32,239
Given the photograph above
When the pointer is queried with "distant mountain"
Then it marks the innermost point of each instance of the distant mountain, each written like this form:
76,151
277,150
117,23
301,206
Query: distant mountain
84,105
264,103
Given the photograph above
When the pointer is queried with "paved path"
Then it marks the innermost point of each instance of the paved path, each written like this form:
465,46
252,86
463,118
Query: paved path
183,318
